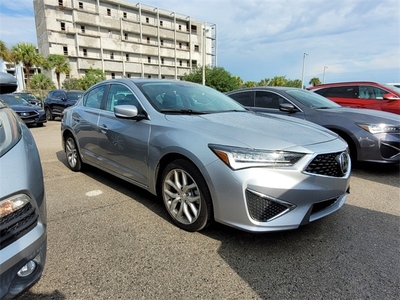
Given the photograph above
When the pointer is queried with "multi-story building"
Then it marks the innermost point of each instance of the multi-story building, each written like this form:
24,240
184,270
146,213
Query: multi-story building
123,39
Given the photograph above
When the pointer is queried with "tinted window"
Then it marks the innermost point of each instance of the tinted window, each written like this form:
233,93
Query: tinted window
268,100
94,97
244,98
371,92
58,95
340,92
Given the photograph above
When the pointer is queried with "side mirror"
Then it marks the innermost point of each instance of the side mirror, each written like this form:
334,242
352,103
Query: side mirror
390,97
287,107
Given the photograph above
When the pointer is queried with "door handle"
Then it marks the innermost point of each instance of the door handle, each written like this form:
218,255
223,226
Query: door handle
103,128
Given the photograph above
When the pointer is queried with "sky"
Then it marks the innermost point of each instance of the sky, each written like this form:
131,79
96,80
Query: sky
345,40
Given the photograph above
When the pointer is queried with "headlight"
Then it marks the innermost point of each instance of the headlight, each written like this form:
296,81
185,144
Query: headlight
380,128
239,158
12,204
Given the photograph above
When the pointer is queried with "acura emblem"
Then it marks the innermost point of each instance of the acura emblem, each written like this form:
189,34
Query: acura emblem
343,161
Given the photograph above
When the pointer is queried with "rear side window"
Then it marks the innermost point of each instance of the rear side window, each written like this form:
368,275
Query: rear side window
339,92
244,98
268,100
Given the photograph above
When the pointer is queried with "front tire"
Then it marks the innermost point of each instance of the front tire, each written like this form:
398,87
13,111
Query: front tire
186,196
49,115
71,151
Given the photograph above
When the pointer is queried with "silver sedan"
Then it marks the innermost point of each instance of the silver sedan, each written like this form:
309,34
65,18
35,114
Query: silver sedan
206,156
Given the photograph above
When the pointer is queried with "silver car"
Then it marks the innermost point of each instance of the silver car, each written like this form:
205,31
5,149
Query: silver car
206,156
23,219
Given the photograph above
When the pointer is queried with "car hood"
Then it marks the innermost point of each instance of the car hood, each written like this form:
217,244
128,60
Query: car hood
25,107
253,130
358,115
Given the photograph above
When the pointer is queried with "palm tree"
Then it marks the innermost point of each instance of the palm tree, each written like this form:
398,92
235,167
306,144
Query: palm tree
29,57
315,81
59,63
278,81
41,82
4,53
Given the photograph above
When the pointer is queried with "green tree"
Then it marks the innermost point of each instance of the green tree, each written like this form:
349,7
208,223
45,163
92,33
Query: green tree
294,83
4,52
41,82
59,63
215,77
264,82
249,84
315,81
278,81
72,84
91,77
29,57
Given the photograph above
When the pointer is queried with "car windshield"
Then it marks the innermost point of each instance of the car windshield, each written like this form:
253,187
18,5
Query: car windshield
311,99
184,97
14,100
392,88
27,96
74,95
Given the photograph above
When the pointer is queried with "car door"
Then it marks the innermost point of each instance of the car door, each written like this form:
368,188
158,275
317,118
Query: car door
57,102
374,99
123,143
86,120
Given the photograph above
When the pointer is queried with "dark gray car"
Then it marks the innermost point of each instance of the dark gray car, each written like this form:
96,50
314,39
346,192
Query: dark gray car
372,136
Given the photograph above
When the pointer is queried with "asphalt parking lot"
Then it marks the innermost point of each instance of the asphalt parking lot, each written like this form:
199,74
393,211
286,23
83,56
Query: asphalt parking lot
111,240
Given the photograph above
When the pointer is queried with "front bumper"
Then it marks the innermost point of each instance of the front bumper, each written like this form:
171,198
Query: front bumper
268,199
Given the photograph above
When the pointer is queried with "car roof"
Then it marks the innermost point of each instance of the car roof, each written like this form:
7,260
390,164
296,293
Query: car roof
343,84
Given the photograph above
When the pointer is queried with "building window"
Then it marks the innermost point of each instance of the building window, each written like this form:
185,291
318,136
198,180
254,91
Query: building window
162,60
108,12
125,15
187,46
180,63
180,45
127,56
162,42
65,50
62,26
148,59
187,64
112,55
180,27
129,75
161,23
196,48
126,36
80,5
113,75
67,76
83,29
60,2
148,40
149,76
147,20
84,52
194,63
193,28
162,77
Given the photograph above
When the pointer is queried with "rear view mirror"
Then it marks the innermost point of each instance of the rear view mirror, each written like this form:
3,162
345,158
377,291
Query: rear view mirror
8,83
390,97
287,107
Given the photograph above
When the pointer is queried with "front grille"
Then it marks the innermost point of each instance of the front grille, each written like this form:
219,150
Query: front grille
325,164
28,114
262,209
317,207
390,149
16,224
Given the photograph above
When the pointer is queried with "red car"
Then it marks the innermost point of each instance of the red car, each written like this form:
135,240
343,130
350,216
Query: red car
362,94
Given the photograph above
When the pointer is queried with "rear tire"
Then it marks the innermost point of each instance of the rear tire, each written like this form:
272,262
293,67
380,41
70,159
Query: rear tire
186,196
72,153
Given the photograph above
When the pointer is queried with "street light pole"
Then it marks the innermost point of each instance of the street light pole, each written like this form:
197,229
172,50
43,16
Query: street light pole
323,76
302,73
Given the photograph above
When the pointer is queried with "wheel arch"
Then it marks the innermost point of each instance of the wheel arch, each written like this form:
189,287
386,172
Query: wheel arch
350,142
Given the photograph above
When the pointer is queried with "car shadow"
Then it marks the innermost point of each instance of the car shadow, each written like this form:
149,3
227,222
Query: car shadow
56,295
350,254
383,173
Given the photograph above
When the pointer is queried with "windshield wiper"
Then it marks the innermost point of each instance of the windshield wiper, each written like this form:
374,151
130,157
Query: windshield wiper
183,111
